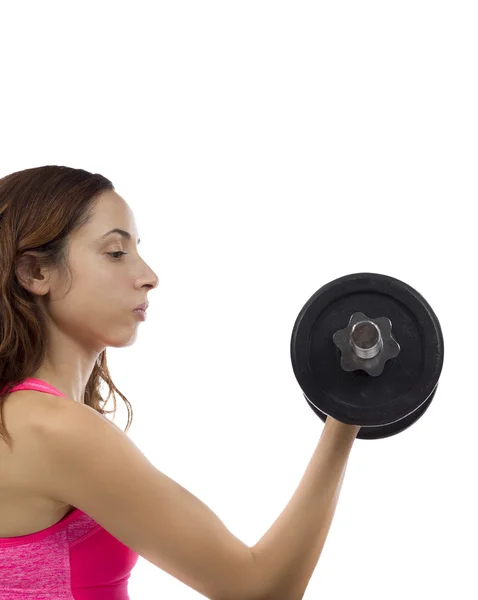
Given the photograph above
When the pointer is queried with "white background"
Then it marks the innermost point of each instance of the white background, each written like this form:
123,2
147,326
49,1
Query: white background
267,148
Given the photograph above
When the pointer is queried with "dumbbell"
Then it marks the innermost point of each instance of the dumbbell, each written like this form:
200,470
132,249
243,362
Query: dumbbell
367,349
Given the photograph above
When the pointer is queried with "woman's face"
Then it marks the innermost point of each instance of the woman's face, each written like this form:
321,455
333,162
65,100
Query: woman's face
95,306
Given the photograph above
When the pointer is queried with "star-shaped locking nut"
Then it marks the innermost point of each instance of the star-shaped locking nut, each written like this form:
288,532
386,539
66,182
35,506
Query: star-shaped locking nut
366,344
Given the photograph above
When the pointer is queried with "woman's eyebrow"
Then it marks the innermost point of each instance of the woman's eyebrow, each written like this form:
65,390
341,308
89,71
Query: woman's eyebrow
122,232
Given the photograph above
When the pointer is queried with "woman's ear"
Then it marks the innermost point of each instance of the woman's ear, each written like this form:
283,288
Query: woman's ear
31,275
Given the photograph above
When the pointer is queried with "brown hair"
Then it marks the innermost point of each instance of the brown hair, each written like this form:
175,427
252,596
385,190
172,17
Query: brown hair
39,209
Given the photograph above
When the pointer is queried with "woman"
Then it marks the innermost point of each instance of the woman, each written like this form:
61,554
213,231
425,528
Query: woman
73,487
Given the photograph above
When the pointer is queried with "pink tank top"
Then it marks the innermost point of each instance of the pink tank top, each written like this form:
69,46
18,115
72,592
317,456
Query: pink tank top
74,559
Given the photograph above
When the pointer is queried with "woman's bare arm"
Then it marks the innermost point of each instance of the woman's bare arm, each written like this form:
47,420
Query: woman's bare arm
76,456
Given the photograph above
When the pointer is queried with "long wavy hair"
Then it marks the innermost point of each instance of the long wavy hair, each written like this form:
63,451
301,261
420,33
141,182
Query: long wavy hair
39,209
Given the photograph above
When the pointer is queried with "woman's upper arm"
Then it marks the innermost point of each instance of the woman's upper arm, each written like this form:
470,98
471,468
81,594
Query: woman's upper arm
84,460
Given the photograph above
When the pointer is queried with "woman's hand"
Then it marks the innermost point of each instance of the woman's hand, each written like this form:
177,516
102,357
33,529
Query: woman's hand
342,427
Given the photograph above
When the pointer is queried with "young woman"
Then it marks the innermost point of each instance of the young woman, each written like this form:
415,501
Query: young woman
79,502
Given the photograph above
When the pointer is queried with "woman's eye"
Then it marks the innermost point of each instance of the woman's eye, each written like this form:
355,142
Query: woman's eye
116,257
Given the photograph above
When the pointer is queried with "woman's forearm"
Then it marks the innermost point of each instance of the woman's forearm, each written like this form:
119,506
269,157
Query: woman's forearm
287,554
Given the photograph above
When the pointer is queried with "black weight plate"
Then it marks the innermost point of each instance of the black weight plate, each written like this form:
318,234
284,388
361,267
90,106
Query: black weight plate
355,397
383,431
